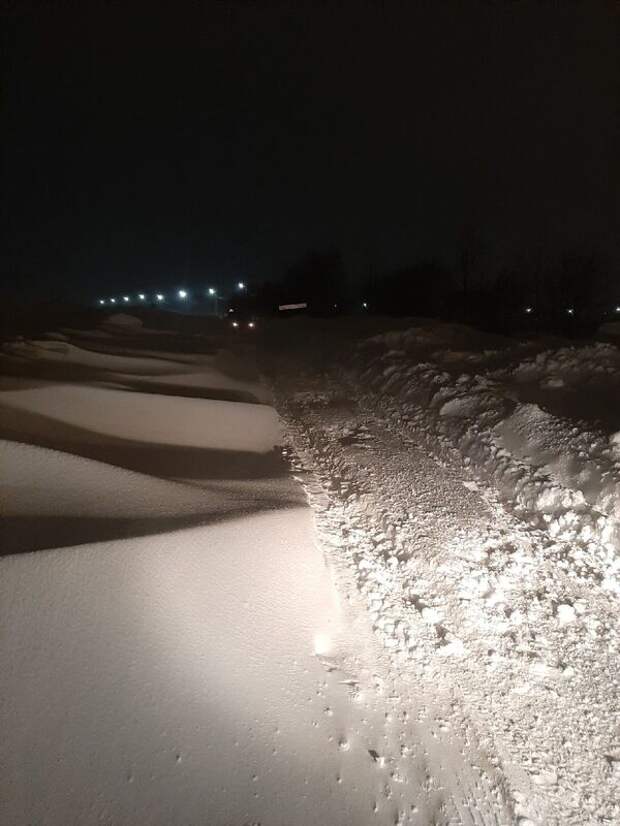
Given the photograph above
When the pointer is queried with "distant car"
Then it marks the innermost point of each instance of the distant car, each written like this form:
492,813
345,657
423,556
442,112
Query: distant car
241,321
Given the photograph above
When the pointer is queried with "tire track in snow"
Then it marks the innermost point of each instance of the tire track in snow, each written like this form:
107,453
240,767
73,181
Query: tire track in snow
458,782
464,598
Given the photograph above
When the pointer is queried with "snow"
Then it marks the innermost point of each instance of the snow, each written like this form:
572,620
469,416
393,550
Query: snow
396,604
132,368
72,355
552,467
166,698
479,520
176,646
147,417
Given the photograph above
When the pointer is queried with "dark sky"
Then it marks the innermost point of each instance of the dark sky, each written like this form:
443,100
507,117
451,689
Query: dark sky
146,147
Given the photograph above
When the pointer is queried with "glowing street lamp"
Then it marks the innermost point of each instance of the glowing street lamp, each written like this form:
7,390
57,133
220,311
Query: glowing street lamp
365,305
529,309
182,293
102,300
570,311
159,297
126,298
112,301
235,324
241,285
141,296
211,291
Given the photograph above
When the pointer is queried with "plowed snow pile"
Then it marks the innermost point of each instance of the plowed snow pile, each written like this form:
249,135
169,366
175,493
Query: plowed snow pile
471,486
560,472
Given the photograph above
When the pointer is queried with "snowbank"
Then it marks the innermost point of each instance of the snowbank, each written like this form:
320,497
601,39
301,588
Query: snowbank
72,355
477,514
173,679
151,418
561,474
138,368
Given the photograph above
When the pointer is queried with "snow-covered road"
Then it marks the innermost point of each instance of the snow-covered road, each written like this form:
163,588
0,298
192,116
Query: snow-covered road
479,528
182,643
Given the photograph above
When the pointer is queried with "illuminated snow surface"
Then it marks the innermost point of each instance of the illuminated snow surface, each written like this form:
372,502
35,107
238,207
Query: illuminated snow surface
186,641
174,648
473,483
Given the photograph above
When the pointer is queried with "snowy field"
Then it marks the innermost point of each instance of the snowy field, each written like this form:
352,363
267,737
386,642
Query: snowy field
393,601
178,647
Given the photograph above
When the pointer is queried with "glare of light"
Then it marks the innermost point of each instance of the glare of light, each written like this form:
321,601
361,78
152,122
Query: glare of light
159,297
322,644
570,311
102,300
141,296
364,304
235,324
618,309
528,309
182,294
112,301
125,298
241,285
211,291
251,324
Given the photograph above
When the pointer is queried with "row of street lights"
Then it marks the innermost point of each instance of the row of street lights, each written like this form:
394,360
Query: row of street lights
160,297
570,310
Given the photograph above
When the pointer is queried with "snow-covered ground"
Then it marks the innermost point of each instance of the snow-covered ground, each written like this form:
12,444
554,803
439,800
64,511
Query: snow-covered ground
183,640
471,487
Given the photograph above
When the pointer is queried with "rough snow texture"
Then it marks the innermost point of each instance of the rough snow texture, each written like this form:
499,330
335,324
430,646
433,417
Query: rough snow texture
561,474
478,517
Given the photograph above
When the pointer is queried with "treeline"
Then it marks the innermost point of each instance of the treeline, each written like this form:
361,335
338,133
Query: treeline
572,294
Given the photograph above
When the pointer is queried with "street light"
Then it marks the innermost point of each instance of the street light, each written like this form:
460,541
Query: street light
570,311
112,301
182,294
125,298
102,300
159,297
241,285
211,291
529,309
364,305
141,296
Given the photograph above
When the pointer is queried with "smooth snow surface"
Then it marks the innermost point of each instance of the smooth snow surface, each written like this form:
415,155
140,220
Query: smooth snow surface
147,418
179,644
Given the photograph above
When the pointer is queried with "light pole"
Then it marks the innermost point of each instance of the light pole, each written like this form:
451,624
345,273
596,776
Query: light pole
213,293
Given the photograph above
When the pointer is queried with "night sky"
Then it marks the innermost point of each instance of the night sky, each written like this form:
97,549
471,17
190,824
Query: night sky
213,141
